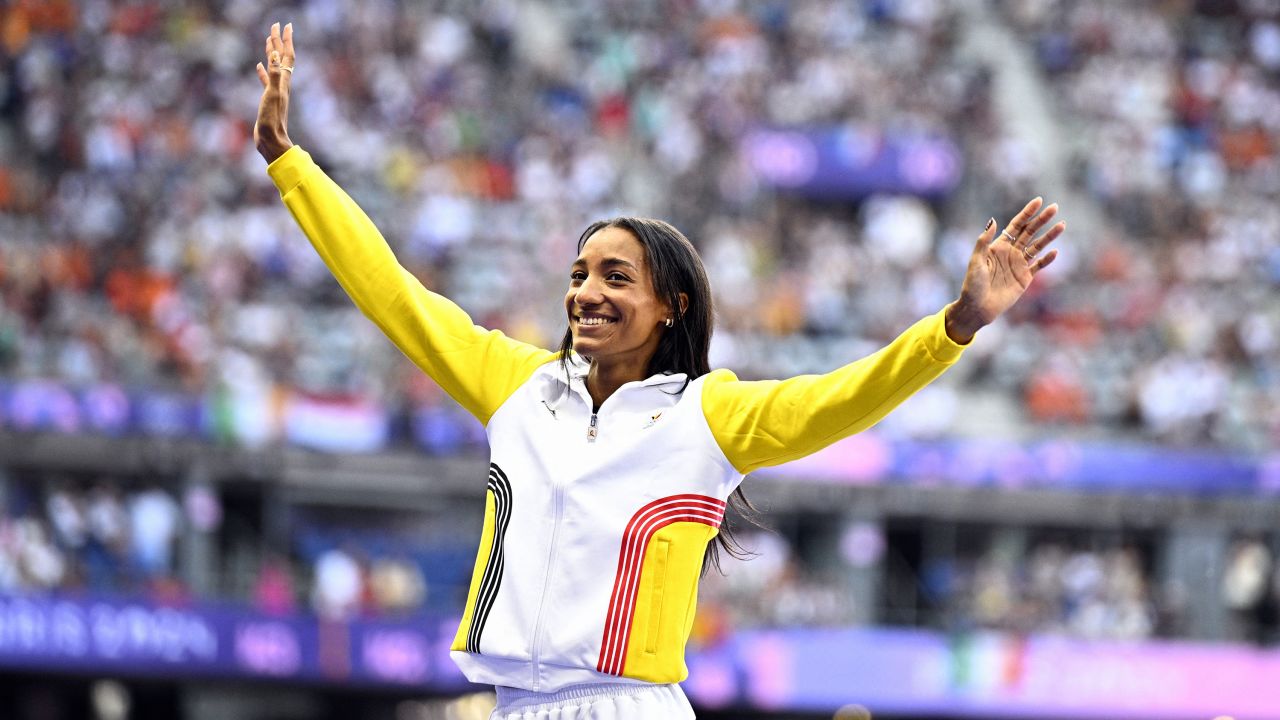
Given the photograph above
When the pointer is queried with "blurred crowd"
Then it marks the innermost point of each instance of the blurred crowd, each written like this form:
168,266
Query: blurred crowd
1055,588
390,570
1173,116
142,244
1069,587
121,537
114,536
774,588
100,538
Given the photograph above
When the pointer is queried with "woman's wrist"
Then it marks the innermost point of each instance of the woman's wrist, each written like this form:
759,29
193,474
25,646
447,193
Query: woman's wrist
961,323
272,150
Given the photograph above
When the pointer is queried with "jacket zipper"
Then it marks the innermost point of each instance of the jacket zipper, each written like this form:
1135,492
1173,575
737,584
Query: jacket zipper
557,495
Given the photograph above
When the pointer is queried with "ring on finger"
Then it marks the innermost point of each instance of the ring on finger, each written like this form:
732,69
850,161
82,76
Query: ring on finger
1029,252
1012,240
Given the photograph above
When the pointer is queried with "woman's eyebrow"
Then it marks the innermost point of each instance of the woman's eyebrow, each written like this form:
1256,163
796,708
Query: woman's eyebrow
607,262
610,262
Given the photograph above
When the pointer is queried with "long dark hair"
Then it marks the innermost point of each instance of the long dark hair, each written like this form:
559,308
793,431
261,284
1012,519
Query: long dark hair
676,268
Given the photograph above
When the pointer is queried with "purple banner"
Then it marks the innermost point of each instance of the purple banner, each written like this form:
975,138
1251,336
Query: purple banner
871,459
888,671
208,640
986,676
844,163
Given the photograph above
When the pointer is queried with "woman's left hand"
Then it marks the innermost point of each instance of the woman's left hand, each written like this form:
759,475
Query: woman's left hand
1001,269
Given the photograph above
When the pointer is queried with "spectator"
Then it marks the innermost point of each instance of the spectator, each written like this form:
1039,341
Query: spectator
108,535
1247,589
397,585
154,520
274,591
338,592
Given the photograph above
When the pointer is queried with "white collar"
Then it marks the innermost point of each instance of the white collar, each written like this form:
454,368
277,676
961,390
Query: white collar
579,367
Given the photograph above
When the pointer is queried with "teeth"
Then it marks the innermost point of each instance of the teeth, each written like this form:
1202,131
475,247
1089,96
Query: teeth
594,321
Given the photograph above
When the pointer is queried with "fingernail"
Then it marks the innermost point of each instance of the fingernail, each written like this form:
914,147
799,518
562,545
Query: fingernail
288,26
275,56
990,222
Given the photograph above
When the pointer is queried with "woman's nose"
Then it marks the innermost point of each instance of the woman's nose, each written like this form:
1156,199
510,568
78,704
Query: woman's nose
589,292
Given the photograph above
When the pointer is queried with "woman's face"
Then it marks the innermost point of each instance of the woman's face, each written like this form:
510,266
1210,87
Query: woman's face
614,314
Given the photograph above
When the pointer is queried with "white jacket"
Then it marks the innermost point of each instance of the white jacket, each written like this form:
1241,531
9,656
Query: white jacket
595,529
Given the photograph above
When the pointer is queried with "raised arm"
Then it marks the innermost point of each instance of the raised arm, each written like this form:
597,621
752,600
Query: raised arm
479,368
763,423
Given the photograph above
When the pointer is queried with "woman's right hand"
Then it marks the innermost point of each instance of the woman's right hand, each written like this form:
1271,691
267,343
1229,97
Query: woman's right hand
271,130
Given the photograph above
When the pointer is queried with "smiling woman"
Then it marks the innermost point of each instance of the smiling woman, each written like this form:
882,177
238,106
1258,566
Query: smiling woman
613,459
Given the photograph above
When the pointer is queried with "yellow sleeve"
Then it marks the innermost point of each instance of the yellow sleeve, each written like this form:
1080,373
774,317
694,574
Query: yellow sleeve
770,422
479,368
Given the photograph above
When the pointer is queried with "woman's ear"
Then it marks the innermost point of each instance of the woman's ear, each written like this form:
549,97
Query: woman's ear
684,302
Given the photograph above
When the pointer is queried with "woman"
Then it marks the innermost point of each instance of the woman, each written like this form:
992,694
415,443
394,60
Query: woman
613,459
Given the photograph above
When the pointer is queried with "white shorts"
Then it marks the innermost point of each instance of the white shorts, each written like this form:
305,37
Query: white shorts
594,702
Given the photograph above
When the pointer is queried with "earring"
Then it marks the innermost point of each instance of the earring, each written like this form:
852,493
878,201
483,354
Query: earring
670,322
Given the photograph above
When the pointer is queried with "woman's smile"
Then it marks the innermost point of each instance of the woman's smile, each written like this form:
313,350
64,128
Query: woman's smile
594,320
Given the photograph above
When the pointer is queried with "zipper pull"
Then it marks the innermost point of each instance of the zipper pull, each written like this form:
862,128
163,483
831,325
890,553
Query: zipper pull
591,429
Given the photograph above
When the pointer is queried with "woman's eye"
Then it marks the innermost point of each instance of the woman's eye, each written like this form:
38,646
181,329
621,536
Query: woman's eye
581,276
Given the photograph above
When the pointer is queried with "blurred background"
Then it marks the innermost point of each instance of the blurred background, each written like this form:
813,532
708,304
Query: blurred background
223,494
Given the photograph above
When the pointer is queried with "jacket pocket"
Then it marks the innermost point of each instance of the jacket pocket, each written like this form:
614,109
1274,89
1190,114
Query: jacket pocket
661,553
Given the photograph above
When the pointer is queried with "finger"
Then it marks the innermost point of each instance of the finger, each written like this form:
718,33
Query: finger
266,50
1043,241
280,73
1034,226
988,232
262,75
276,43
1044,262
1020,220
288,44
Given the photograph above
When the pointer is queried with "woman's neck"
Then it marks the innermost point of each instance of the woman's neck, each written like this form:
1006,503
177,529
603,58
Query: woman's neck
605,378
